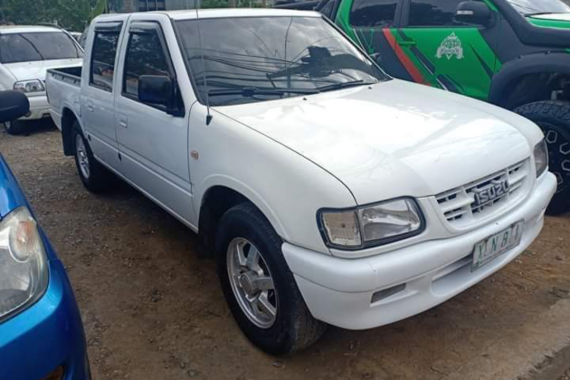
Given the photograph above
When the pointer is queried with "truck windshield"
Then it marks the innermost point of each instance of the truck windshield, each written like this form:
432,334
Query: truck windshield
533,7
29,47
252,59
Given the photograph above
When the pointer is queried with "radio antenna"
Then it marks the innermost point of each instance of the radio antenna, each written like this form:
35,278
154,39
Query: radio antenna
208,115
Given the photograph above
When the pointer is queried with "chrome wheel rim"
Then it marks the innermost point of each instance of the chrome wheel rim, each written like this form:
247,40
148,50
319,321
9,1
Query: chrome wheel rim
252,283
82,158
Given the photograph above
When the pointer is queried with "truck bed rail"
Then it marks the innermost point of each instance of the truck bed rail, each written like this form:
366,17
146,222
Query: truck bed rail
70,75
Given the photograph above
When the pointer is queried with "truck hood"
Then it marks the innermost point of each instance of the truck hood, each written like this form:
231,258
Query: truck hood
394,138
38,70
551,20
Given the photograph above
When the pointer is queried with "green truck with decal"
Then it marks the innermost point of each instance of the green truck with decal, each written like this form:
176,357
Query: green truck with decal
512,53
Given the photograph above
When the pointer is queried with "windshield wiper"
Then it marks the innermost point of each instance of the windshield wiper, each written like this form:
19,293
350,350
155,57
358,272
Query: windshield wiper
252,91
339,85
542,13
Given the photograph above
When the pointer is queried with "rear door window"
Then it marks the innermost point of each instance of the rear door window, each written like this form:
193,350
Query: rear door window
103,59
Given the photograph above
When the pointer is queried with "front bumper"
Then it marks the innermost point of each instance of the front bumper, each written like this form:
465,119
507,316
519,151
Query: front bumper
39,108
46,335
339,291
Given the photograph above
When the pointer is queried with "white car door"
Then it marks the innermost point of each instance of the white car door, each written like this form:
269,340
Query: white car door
153,141
97,108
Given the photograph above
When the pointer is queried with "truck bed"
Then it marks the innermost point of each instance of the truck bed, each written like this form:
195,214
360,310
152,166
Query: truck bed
68,74
63,89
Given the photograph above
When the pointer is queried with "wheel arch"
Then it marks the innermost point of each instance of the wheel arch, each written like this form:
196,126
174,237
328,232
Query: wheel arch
510,86
68,119
219,196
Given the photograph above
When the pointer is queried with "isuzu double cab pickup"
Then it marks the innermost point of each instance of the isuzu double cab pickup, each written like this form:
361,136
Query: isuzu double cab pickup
329,192
511,53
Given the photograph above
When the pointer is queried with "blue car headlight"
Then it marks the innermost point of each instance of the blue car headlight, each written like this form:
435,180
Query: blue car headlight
23,262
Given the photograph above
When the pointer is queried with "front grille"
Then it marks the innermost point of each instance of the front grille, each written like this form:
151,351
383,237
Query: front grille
459,207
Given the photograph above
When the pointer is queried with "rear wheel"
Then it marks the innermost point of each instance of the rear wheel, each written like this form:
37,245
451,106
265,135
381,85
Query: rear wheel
259,287
553,117
95,177
15,127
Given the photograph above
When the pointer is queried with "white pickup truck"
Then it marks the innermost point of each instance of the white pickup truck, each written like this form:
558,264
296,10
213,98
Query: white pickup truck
329,192
26,53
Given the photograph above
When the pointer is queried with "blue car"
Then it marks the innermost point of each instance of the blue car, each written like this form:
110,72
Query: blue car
41,334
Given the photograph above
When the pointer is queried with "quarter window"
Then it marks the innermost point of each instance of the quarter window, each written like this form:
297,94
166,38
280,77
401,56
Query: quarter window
103,59
369,13
145,56
433,13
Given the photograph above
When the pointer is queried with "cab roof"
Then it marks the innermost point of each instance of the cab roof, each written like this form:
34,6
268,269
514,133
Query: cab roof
242,12
190,14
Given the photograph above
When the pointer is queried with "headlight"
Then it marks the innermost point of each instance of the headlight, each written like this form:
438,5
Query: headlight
29,86
23,263
540,157
371,225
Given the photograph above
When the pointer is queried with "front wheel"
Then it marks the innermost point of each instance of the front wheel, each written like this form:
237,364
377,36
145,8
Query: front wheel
259,288
553,117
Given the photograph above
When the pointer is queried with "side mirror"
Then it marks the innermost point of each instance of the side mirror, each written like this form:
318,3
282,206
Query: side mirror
156,89
473,12
13,105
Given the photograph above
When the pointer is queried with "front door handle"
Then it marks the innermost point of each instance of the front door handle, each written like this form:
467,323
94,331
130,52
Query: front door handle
123,121
407,43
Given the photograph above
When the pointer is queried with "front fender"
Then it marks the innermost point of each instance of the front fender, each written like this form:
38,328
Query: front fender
530,64
248,192
287,188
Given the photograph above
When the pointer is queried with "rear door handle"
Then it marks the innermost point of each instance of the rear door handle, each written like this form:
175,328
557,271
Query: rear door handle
89,105
407,43
123,121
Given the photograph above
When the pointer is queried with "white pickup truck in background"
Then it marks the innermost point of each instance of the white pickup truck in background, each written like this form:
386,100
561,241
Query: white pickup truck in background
26,53
329,192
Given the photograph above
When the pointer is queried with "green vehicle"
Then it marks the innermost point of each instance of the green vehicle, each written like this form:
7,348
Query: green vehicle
512,53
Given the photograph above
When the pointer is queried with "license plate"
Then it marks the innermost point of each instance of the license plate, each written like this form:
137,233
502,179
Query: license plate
494,246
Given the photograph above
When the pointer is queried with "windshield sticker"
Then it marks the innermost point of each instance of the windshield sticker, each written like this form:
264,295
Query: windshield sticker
450,46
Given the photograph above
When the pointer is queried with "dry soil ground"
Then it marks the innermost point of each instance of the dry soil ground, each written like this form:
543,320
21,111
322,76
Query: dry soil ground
153,309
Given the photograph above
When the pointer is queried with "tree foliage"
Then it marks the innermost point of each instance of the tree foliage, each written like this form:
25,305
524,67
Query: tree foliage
70,14
77,14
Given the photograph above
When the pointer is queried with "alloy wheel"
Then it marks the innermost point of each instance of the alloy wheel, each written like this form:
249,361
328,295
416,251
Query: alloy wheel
252,283
82,157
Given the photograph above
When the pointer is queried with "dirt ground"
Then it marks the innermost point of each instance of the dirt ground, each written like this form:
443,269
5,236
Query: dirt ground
154,310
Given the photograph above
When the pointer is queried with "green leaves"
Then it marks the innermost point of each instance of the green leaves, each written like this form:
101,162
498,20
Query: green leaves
71,14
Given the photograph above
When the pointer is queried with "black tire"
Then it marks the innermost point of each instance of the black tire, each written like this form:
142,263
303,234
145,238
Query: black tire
294,328
553,117
15,127
96,178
